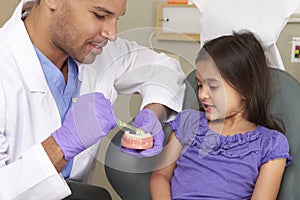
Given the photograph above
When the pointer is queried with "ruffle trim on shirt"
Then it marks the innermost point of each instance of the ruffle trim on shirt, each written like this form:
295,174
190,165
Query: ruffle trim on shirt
236,146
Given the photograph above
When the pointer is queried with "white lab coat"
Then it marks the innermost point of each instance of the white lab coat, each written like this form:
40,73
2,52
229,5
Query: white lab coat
28,113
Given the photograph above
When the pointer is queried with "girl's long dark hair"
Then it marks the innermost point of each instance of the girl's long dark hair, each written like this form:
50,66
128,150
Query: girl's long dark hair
241,61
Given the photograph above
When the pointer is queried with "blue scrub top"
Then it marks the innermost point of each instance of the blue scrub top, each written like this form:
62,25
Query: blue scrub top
62,92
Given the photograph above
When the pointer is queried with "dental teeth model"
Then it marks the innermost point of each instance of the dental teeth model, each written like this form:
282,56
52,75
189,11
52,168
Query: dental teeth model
137,141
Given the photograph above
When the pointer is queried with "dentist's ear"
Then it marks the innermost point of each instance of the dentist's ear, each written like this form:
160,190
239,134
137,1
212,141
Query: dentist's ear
52,4
27,6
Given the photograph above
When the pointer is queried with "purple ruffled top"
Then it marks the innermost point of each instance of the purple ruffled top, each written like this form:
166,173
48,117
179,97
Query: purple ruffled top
213,166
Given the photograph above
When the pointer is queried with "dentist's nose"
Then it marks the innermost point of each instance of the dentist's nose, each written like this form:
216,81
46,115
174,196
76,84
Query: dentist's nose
109,31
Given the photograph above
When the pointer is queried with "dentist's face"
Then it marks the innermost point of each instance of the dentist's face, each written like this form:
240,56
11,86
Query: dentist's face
81,28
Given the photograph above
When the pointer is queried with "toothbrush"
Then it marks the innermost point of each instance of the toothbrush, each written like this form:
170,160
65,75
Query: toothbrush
125,125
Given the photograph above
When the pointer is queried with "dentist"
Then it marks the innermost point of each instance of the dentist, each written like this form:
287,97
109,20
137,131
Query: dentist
61,66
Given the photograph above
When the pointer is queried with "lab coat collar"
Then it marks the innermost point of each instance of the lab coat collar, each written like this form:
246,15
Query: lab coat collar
80,70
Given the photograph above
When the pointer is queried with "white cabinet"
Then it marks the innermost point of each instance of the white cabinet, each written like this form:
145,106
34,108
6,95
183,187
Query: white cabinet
177,22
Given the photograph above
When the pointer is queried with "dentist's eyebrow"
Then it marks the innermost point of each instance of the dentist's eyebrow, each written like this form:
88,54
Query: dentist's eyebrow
102,9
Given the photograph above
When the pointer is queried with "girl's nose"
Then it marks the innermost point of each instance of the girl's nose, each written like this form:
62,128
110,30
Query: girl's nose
203,93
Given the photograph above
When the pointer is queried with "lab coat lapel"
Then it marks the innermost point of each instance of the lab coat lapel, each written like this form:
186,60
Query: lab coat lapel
27,60
31,71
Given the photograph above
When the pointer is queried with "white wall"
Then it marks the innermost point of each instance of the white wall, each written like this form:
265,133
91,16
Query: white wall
297,11
139,24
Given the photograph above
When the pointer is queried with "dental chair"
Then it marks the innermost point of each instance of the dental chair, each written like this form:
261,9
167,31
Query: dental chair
285,106
81,191
129,176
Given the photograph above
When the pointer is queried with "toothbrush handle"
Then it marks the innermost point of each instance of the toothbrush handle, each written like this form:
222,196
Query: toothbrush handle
123,124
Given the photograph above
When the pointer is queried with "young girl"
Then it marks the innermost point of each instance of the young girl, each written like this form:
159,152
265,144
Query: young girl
234,149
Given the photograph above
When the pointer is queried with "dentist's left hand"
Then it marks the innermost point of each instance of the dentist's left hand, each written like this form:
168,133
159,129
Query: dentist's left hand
147,121
87,121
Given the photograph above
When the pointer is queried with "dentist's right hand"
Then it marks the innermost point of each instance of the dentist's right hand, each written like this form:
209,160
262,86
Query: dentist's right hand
87,121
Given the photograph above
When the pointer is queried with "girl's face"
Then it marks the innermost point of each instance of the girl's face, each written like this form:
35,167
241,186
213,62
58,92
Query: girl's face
219,100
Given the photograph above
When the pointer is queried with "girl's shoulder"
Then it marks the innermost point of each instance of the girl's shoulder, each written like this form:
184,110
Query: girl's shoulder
187,123
274,144
267,134
191,114
188,118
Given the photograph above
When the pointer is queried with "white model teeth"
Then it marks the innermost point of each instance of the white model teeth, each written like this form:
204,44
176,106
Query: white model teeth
144,135
139,132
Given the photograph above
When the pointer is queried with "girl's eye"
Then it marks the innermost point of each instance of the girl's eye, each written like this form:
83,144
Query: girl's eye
212,87
199,86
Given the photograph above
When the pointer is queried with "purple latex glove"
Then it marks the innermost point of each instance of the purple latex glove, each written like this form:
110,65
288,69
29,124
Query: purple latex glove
147,121
86,122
